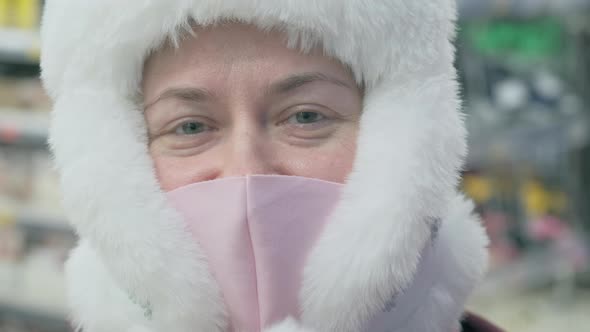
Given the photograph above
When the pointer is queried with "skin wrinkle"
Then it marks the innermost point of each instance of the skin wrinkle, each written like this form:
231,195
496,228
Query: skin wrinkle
281,87
244,90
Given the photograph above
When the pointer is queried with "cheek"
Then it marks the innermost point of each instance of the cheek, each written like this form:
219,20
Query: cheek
332,162
173,172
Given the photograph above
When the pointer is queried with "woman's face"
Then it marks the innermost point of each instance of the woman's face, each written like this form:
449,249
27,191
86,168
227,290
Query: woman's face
235,101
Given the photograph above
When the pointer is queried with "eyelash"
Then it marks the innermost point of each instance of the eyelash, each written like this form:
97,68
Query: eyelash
177,126
290,113
287,120
181,127
295,121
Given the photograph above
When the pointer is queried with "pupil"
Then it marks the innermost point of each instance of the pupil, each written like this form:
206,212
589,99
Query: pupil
307,117
191,127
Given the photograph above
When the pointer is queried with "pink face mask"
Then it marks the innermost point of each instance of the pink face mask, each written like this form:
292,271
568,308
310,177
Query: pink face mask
256,232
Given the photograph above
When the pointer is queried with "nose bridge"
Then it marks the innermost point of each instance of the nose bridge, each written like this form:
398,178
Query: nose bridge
247,149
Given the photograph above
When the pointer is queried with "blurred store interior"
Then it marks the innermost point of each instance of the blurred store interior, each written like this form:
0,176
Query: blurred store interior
525,70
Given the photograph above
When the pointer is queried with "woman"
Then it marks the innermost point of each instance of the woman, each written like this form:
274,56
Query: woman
262,165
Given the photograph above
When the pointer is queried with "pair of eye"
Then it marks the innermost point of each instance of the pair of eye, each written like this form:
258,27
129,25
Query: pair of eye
299,118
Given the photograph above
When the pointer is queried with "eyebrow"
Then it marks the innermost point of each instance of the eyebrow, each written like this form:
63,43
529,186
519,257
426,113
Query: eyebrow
199,95
298,80
191,94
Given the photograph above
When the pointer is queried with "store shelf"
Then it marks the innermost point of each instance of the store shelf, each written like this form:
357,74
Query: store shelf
39,222
33,293
49,320
470,9
19,46
24,129
542,146
35,221
534,270
538,311
32,140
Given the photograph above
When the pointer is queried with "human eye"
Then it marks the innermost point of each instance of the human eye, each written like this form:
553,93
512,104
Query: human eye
305,117
308,122
190,127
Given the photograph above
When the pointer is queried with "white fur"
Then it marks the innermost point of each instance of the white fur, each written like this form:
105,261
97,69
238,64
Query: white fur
410,148
97,303
463,256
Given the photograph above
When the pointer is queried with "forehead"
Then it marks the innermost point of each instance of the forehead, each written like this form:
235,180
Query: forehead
213,52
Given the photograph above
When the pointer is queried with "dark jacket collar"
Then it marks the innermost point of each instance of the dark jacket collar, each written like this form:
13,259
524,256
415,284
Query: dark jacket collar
475,323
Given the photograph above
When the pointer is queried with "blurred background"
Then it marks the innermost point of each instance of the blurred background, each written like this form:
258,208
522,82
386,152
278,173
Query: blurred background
525,70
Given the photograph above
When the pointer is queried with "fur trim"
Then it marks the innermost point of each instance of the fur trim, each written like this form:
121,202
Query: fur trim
383,231
411,35
140,245
95,300
410,148
462,257
457,252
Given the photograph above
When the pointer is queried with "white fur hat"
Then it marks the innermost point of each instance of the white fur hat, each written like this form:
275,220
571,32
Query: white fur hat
135,264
